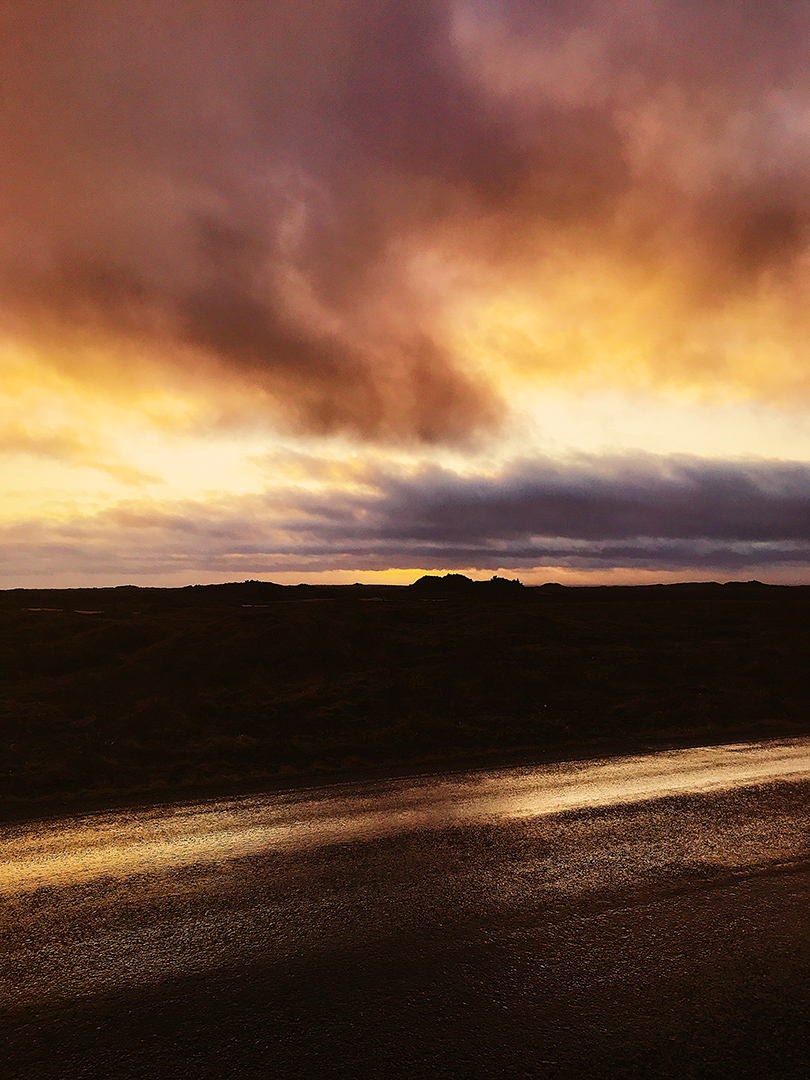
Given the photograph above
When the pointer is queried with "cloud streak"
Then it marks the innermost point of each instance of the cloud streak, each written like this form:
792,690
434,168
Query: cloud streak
594,514
66,446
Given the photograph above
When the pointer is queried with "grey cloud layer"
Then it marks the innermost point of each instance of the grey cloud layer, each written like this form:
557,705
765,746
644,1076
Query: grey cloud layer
654,513
239,186
613,500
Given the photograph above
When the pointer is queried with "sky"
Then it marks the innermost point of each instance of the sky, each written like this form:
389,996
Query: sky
355,290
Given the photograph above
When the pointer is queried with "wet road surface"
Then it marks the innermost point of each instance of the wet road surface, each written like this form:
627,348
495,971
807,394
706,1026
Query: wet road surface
643,917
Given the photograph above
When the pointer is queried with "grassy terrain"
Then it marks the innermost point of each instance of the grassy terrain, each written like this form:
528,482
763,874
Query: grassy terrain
123,690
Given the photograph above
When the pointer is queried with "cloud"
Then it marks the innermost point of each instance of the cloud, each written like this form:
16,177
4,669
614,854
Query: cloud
65,445
595,500
18,438
212,208
663,514
289,199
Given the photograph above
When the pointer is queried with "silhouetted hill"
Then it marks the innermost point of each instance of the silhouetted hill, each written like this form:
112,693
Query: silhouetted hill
459,585
116,690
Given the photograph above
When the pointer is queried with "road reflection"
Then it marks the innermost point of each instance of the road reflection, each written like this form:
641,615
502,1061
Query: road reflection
148,841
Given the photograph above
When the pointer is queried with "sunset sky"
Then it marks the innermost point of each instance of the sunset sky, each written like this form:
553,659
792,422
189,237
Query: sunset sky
352,290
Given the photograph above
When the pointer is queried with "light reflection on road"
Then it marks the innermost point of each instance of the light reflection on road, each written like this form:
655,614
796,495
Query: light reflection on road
124,844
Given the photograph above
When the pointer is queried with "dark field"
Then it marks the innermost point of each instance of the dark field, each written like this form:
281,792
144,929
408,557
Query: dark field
114,691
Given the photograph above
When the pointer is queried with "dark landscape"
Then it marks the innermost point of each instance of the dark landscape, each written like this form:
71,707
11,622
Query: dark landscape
108,693
186,891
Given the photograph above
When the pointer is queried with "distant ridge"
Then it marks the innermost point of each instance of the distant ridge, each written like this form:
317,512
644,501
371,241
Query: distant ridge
251,593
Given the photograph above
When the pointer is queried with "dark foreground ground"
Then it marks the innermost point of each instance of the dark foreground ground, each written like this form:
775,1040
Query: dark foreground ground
109,692
665,939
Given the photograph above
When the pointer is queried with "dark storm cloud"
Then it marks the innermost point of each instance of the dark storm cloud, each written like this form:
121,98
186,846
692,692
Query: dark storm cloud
595,505
709,101
595,514
235,188
198,183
